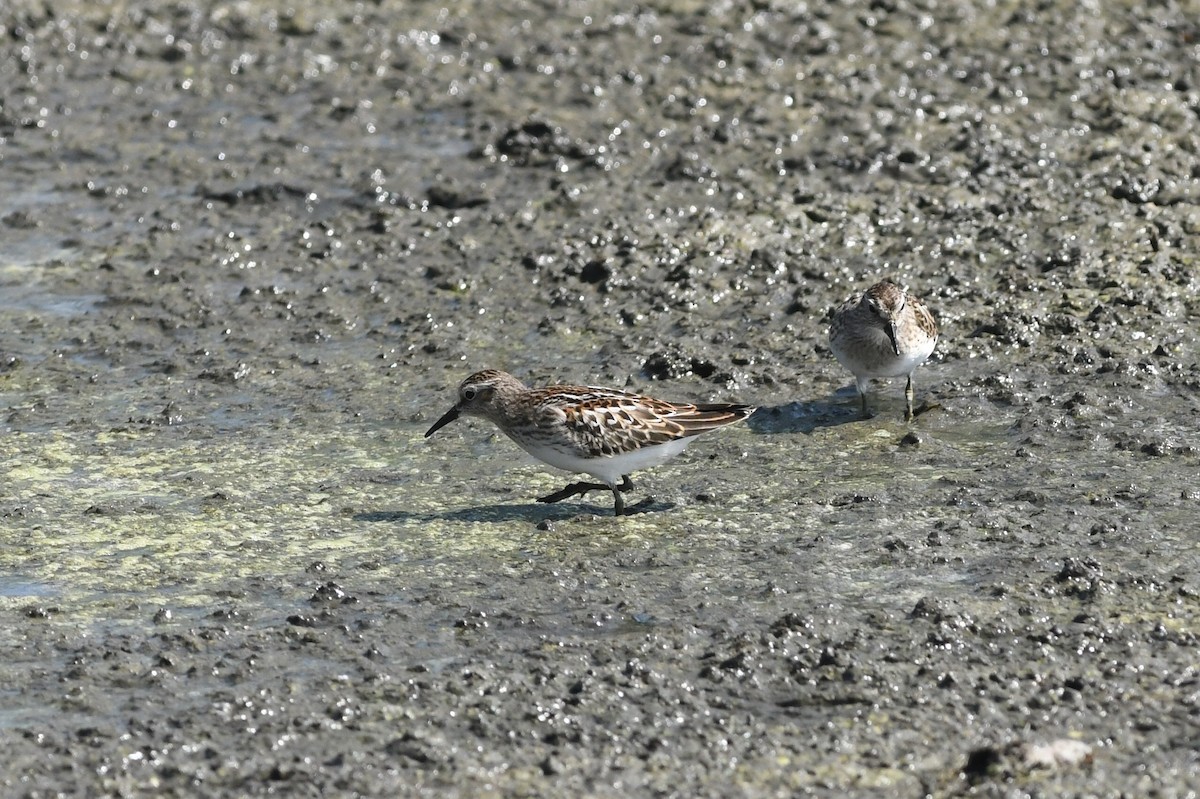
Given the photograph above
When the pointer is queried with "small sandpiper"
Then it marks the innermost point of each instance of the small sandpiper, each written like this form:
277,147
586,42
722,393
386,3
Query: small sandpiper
598,431
883,332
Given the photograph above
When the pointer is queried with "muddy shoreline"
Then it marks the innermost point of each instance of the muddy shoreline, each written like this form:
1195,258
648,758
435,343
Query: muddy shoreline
248,255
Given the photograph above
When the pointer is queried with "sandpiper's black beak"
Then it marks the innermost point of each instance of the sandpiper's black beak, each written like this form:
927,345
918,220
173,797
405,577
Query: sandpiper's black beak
450,416
891,334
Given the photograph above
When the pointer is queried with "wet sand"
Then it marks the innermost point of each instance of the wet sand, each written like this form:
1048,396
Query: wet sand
248,255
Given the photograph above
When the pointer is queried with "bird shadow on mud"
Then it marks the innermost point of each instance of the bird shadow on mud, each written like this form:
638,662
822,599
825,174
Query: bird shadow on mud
528,512
806,416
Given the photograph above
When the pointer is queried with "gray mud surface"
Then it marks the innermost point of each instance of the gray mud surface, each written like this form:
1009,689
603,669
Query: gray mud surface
246,255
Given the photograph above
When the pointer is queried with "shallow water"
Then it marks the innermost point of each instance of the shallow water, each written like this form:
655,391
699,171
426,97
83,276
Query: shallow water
249,255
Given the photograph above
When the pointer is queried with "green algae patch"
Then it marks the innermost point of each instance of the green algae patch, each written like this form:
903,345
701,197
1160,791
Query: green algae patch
157,513
164,515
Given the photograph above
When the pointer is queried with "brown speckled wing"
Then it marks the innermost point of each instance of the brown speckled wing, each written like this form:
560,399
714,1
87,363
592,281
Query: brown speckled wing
609,422
924,317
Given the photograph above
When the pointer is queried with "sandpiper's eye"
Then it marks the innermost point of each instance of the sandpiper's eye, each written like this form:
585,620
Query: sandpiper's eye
469,394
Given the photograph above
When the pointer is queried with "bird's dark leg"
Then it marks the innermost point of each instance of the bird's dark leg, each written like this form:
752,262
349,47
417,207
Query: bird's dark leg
619,504
908,400
626,485
862,384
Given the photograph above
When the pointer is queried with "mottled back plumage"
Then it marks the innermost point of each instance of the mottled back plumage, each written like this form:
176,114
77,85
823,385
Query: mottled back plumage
603,422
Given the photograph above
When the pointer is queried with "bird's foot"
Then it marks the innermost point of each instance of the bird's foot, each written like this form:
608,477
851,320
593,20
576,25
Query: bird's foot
575,490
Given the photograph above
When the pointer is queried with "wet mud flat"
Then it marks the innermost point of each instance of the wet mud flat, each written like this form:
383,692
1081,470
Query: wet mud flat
248,254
